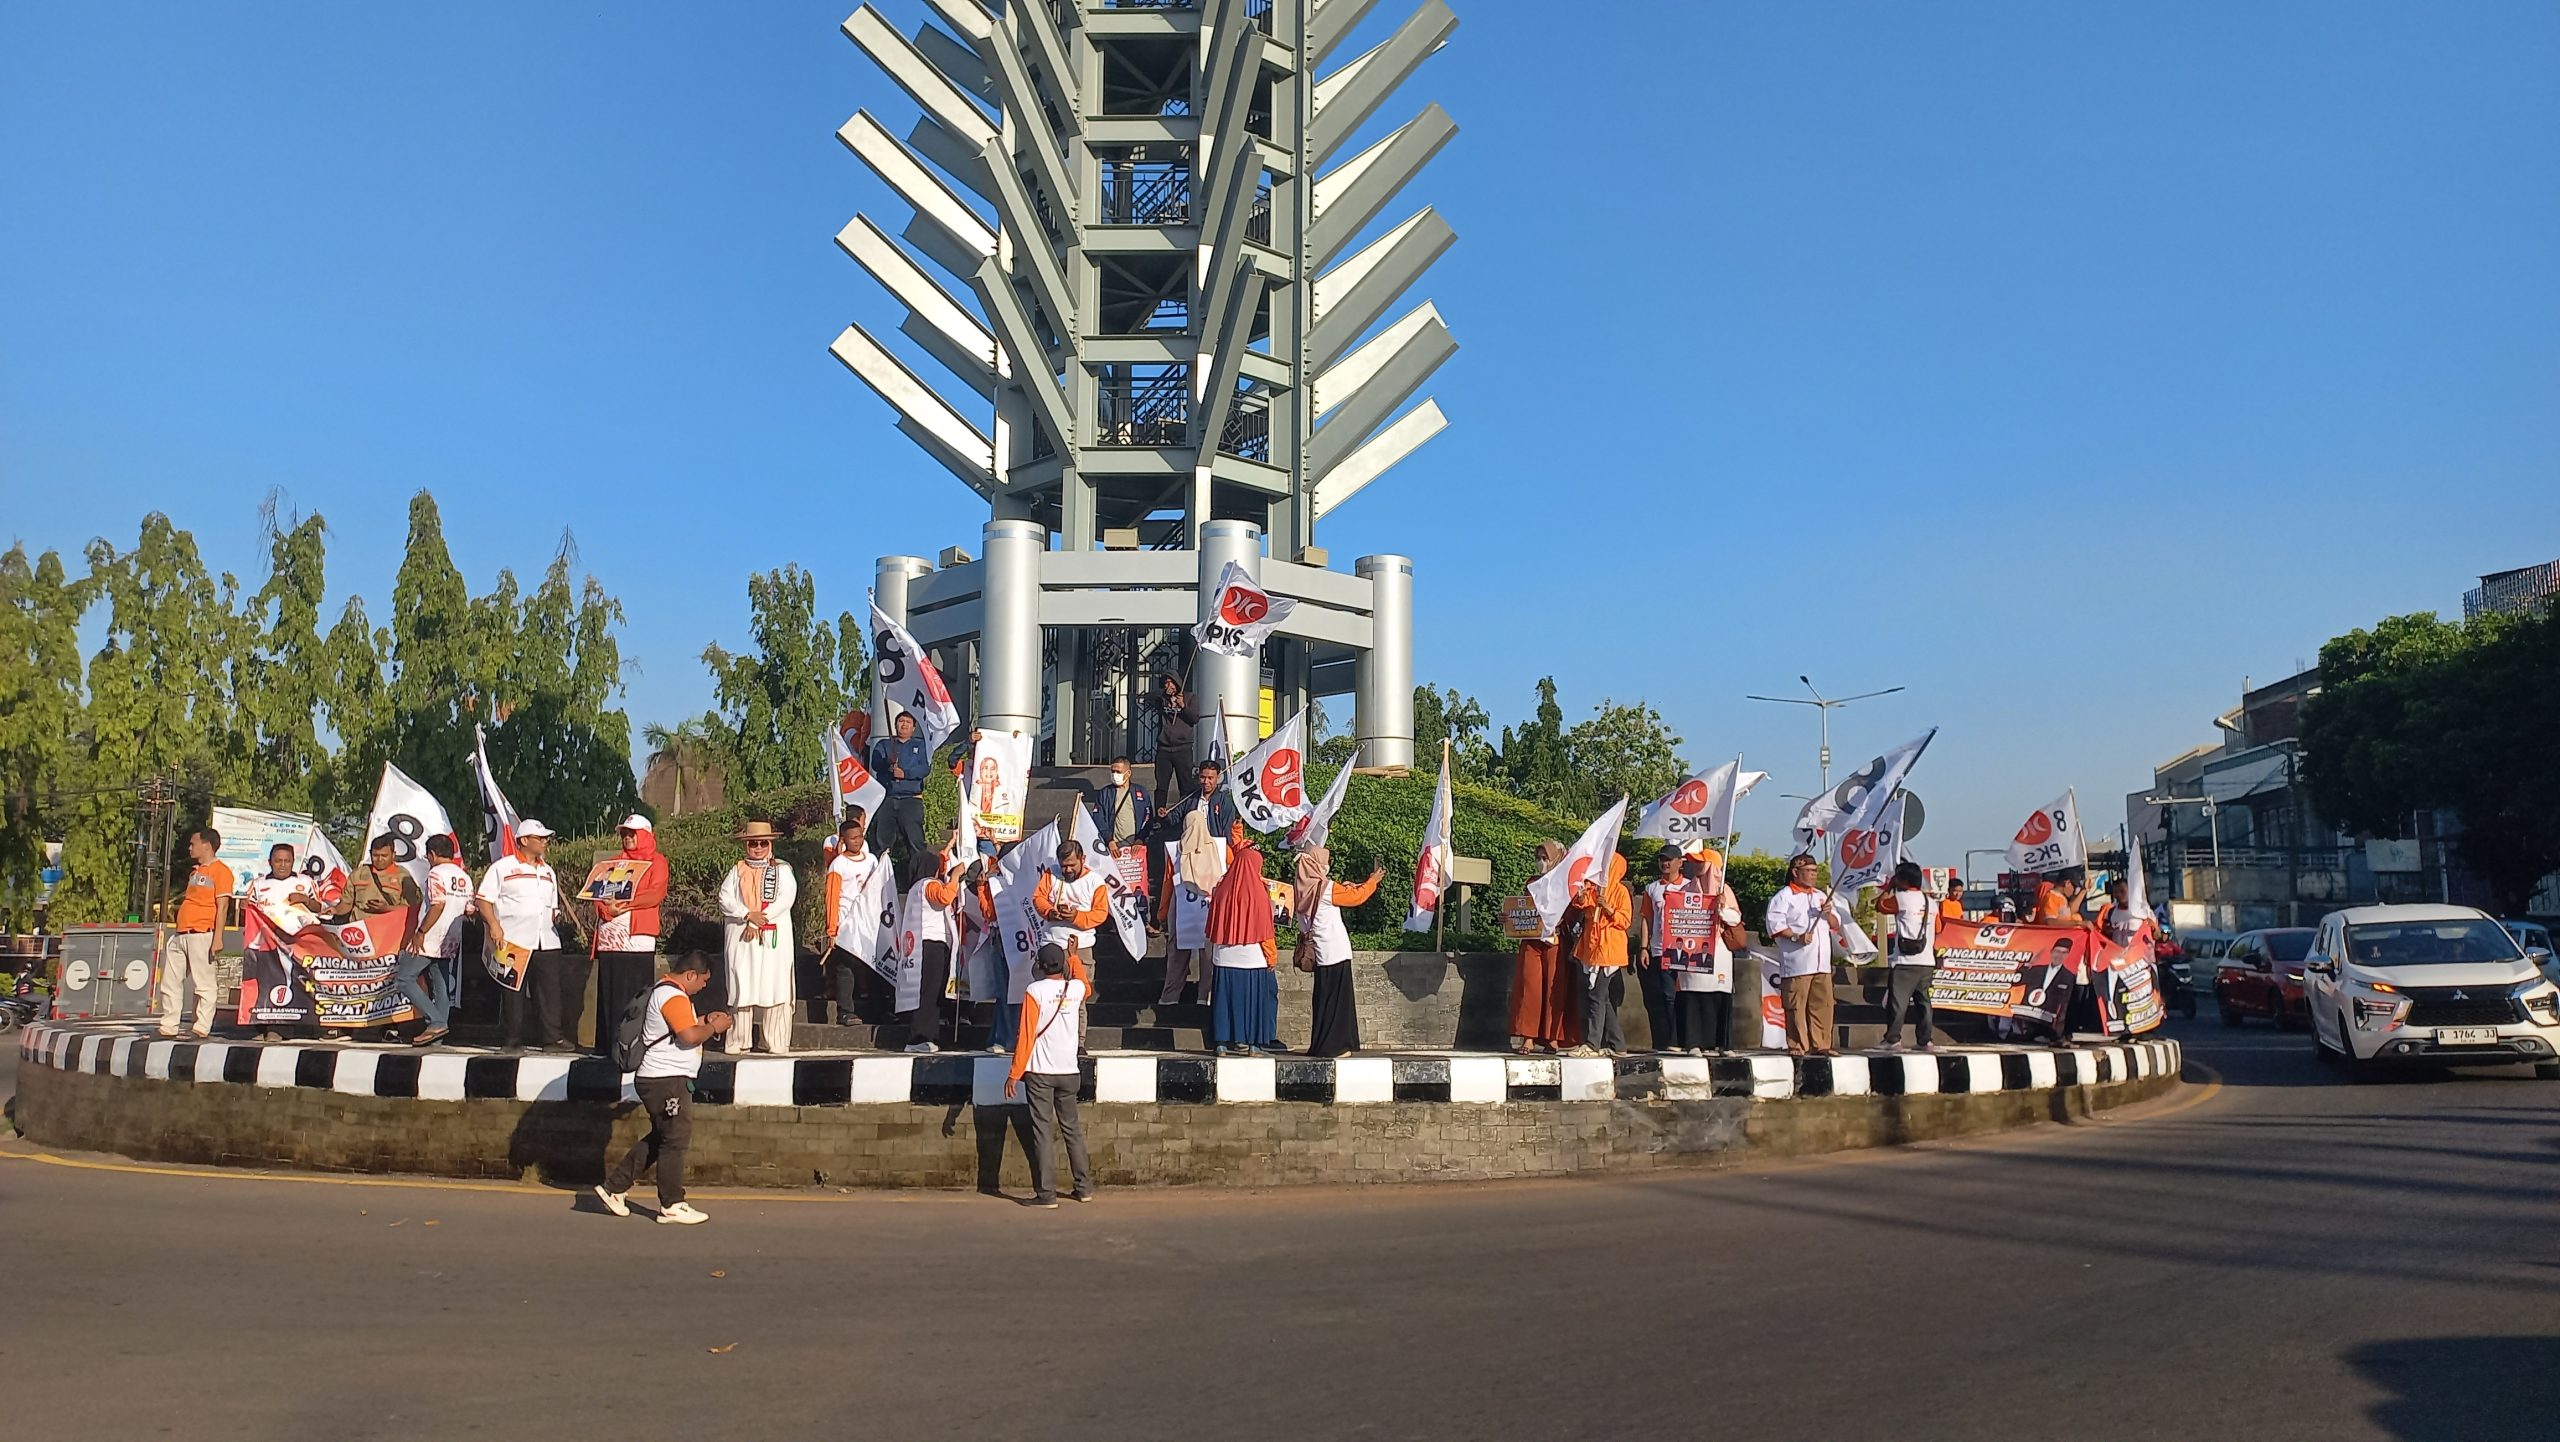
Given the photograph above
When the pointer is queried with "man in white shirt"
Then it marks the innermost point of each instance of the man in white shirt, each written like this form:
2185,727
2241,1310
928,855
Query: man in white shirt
519,902
273,987
856,895
1801,925
425,971
1044,1062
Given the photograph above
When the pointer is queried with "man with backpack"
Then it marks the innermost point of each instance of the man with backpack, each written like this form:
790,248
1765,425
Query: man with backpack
659,1040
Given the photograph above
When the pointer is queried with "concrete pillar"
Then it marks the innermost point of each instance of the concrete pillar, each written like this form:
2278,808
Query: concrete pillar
1230,685
889,578
1383,708
1009,638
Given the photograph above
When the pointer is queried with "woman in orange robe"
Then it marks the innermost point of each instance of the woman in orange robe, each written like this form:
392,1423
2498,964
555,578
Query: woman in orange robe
1546,1008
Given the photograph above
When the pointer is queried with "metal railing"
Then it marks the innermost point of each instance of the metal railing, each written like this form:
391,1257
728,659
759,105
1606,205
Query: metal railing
1247,432
1146,192
1145,410
1257,221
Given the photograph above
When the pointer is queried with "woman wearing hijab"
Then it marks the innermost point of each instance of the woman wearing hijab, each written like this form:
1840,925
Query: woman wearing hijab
1246,1015
1546,1007
1601,950
1319,903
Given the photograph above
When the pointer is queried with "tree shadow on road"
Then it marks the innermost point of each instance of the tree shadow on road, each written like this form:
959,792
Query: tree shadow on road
2456,1389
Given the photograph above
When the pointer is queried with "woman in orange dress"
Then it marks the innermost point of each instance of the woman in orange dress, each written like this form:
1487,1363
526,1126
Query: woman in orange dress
1546,1004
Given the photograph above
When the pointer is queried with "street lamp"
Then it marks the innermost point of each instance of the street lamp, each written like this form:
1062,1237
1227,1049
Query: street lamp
1823,704
1979,851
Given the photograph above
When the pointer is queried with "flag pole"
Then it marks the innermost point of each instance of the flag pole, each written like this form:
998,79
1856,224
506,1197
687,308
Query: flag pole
1727,848
1440,908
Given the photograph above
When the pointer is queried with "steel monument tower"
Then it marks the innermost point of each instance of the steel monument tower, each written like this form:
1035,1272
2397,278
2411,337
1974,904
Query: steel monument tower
1149,272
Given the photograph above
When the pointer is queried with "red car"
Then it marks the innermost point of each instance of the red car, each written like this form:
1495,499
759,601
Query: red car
2261,976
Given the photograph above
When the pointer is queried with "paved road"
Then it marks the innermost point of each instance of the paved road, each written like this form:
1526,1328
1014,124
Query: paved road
2290,1257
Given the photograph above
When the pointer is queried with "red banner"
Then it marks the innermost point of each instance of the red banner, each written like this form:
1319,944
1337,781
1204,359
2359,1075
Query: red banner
2045,980
336,974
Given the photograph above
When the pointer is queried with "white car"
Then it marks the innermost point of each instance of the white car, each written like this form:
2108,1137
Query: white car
2428,986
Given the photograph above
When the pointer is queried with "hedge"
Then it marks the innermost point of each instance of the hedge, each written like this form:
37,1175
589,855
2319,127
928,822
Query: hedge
1380,822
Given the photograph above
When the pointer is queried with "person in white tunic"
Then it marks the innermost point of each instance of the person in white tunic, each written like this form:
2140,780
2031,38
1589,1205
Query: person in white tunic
755,913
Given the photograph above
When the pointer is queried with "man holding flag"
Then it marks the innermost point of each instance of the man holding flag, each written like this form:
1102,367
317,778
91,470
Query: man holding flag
913,714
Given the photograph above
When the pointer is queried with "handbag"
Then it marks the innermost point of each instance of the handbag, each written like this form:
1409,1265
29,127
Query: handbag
1304,957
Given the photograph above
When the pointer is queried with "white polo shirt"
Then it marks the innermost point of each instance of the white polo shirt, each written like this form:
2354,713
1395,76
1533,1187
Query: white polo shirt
1793,910
526,895
449,886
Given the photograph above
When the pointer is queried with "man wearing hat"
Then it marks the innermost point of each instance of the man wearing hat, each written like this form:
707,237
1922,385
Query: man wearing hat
755,913
520,904
627,931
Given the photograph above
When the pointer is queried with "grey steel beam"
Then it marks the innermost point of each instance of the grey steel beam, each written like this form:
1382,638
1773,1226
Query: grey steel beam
1032,370
1051,43
1330,22
924,415
1031,240
958,63
1398,439
1350,195
1350,297
1222,242
1352,94
935,204
1022,102
1214,373
1389,370
957,338
1225,56
962,161
901,61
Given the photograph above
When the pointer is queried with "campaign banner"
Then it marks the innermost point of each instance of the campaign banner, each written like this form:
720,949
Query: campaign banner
246,836
1521,921
999,778
2029,976
335,975
614,878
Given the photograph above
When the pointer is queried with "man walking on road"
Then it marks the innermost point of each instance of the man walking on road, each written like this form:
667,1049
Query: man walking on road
189,959
671,1057
1044,1062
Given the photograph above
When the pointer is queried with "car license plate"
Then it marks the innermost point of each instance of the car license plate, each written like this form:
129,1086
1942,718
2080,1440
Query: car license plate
2466,1036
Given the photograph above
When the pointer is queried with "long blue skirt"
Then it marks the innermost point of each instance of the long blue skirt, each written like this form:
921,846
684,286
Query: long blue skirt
1246,1008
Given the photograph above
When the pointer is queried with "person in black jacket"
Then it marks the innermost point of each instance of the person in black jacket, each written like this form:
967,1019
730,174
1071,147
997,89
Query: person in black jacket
901,761
1176,716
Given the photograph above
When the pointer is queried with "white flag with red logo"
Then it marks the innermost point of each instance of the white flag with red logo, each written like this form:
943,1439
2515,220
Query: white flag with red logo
405,812
903,679
1586,860
1432,867
1700,808
851,777
1869,853
2049,840
1241,615
1128,902
1270,783
497,816
1313,828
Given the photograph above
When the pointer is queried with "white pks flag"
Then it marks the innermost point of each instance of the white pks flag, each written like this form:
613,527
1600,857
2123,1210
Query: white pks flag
497,815
1241,615
1856,802
1700,808
2049,840
405,812
1313,828
850,778
1586,860
903,679
1270,783
1433,864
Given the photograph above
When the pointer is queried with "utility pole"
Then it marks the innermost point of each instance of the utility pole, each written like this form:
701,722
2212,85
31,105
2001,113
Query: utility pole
1823,706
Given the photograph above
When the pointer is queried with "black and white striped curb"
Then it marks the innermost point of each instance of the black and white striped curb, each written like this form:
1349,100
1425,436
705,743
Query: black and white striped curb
956,1079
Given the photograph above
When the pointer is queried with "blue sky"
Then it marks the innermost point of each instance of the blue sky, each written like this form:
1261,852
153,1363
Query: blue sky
2063,363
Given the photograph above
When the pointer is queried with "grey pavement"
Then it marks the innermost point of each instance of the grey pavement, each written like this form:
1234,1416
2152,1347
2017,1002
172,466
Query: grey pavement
2289,1257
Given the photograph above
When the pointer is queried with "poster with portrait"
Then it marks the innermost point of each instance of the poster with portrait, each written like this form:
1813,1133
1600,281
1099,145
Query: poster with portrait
998,779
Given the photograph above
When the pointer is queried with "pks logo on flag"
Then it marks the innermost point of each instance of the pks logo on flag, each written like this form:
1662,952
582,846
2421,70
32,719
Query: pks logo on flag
1241,616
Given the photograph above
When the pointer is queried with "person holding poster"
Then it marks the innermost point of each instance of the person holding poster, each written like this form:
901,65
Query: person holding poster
1186,933
1319,900
1546,1003
1653,949
1909,937
929,925
1803,925
1603,913
520,904
627,930
1246,1015
854,899
1707,1025
756,897
270,978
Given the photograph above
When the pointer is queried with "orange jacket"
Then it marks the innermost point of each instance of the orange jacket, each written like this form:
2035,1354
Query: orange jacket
1603,942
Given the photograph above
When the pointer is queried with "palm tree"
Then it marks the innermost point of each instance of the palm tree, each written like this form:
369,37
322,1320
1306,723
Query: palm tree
690,747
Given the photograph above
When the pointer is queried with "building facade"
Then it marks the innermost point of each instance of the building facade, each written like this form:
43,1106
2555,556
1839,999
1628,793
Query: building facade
1151,279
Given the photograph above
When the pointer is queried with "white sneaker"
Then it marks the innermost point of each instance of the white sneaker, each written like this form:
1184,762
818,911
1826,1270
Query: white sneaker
682,1214
618,1203
922,1048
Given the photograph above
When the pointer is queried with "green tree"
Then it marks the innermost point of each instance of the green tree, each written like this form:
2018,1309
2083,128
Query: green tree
433,695
1533,761
561,751
282,675
40,676
776,702
1442,714
359,711
2424,714
158,705
1622,751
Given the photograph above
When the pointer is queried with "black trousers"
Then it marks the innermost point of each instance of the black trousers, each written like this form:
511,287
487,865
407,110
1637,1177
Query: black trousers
1907,994
620,976
900,817
529,1016
862,995
1053,1111
1702,1019
1174,778
1655,983
558,981
926,1024
669,1100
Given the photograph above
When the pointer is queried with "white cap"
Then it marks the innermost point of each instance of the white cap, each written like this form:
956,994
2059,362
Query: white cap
635,822
531,827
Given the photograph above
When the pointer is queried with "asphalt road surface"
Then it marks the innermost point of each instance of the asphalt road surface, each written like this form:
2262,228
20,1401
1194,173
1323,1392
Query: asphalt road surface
2288,1256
